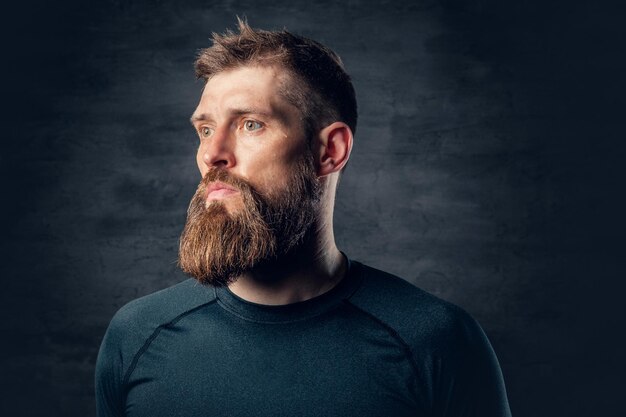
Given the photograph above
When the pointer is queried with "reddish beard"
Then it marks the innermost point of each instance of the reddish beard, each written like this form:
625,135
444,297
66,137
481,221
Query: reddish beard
216,246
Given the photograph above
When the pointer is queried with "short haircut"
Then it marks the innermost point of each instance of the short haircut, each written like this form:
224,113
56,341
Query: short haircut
320,87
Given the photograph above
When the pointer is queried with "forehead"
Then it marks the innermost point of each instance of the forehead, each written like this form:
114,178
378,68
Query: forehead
249,85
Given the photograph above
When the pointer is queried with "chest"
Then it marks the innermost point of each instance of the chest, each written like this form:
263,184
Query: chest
333,369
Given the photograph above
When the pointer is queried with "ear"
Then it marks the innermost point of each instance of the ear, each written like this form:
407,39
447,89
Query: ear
335,147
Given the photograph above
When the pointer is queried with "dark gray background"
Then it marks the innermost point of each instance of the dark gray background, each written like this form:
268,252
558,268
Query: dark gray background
486,170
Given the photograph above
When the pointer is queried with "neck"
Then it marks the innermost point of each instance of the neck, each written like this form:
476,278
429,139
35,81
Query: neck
310,270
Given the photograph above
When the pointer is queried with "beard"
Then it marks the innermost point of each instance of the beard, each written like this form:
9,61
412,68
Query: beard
216,246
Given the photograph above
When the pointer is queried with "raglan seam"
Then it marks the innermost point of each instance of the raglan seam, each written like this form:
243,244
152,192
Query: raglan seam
153,336
408,352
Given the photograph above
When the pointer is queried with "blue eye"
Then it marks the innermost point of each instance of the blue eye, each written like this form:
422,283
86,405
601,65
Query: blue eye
252,125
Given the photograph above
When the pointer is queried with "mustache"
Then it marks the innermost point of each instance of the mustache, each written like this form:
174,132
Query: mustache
254,200
221,175
248,192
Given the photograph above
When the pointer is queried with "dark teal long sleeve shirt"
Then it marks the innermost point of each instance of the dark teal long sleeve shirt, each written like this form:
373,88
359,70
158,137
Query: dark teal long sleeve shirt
374,345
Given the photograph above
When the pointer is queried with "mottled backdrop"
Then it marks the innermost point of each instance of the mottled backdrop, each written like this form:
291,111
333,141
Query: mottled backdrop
486,170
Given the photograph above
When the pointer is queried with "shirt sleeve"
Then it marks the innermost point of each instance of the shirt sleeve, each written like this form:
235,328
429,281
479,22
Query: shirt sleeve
109,375
470,382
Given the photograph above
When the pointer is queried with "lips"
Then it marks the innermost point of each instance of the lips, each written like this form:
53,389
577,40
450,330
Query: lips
218,190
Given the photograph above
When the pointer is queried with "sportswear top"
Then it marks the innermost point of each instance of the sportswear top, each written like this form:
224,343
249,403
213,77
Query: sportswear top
374,345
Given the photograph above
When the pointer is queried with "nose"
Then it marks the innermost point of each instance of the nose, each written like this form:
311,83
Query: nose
217,151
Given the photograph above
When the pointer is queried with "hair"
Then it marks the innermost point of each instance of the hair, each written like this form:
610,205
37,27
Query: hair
320,87
217,246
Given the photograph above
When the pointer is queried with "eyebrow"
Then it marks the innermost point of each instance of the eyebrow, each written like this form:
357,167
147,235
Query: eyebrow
236,112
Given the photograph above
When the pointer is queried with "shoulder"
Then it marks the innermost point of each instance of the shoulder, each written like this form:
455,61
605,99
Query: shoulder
422,320
165,305
132,328
135,322
447,347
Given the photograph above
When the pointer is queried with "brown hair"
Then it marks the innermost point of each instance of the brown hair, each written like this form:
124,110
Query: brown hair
321,88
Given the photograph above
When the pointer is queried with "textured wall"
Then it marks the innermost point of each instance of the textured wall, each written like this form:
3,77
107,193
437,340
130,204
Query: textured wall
485,170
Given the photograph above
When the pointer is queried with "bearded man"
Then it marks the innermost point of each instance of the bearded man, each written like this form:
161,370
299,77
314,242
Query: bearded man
276,321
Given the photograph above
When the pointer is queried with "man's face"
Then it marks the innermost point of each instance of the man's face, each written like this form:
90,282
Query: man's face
259,192
248,128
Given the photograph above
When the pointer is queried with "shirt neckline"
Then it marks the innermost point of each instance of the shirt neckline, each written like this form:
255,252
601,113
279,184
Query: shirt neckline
287,313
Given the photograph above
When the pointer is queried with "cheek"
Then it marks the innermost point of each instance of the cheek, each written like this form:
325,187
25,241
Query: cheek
276,177
201,165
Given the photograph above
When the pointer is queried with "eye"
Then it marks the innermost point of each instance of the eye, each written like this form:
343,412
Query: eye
205,132
251,125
